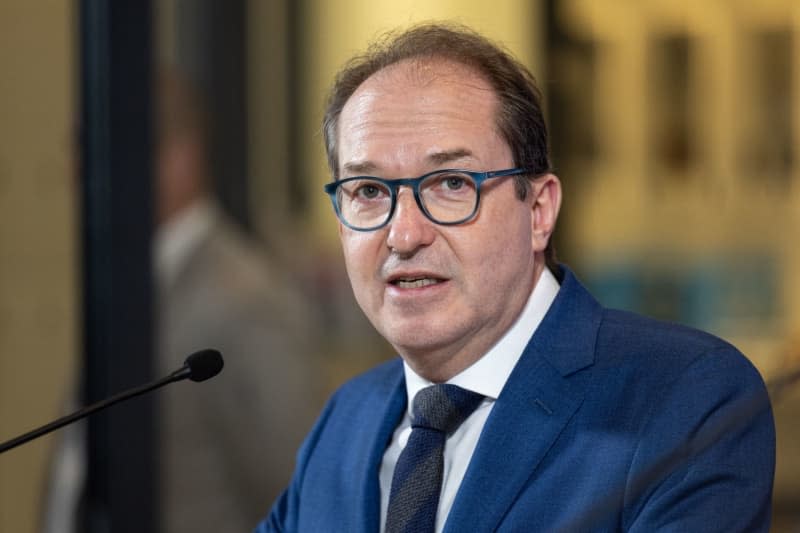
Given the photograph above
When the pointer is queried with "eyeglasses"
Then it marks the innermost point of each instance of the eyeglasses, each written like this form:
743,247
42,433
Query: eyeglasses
446,197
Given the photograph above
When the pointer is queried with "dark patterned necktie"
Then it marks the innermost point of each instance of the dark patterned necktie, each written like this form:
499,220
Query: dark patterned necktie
417,481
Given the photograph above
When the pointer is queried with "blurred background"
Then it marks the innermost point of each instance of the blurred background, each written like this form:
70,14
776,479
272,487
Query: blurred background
161,171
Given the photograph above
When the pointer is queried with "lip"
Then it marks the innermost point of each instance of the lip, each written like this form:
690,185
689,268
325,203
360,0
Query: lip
414,282
410,275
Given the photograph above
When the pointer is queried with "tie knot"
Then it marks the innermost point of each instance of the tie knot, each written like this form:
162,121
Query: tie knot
444,407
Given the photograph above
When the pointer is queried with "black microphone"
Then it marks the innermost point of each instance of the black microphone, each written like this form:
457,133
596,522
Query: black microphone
199,366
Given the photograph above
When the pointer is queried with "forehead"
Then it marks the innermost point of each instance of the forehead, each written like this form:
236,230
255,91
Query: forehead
418,106
437,79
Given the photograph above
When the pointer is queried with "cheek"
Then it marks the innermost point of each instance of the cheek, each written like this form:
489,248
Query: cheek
361,255
502,254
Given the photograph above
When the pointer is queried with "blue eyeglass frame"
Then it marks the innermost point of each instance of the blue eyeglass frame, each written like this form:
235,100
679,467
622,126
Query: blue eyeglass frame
395,184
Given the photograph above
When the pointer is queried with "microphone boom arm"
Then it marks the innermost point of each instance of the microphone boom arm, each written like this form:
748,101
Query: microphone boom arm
198,367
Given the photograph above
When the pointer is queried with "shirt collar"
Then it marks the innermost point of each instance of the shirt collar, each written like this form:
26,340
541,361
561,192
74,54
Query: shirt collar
175,239
488,375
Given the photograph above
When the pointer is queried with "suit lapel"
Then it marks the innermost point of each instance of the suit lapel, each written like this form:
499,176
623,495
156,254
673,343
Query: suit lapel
535,405
387,402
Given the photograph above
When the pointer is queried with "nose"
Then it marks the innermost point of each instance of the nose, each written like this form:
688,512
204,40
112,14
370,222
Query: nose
409,228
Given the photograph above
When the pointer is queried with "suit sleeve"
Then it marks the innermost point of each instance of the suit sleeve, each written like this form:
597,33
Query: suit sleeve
724,487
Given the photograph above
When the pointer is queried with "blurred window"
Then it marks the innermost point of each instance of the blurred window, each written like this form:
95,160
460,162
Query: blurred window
573,100
766,135
670,89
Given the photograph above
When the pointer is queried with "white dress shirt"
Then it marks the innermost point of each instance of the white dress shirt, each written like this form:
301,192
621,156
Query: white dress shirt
175,240
487,376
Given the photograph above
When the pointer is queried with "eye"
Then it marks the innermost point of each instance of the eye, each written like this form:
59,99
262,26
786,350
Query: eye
453,182
368,191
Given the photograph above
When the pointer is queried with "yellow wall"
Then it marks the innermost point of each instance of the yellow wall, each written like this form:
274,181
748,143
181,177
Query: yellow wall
38,307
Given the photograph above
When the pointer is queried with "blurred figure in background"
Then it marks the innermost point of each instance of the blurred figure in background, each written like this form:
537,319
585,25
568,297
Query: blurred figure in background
227,447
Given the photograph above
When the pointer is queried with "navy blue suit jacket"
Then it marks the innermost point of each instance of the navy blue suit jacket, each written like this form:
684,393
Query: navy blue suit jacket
597,398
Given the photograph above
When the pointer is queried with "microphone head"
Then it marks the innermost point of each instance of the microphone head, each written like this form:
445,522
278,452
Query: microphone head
204,364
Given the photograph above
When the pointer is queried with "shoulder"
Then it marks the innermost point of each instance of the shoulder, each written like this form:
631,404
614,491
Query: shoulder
666,350
637,361
381,380
624,345
365,399
633,329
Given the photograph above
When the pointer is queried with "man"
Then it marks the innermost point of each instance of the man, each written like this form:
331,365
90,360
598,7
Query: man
575,403
217,288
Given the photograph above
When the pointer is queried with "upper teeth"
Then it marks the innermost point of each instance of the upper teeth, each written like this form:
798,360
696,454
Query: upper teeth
416,283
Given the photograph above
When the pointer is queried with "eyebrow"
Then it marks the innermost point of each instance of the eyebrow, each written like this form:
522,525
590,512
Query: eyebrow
359,167
435,159
440,158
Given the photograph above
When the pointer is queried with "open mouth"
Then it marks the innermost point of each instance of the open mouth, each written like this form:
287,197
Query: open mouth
414,283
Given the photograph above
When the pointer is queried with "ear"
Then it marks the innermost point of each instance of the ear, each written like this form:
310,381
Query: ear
546,203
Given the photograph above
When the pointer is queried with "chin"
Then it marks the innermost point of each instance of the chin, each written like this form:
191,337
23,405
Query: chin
419,339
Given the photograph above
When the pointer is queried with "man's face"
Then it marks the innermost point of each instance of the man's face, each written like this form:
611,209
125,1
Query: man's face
405,121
